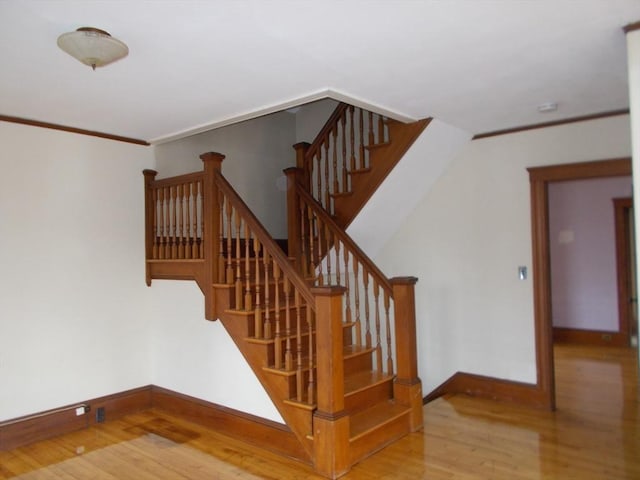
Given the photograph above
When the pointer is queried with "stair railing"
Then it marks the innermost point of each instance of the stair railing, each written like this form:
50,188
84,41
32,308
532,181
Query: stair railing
339,151
174,217
381,312
267,284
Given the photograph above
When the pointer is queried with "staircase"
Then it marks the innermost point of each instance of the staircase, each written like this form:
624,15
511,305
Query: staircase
331,339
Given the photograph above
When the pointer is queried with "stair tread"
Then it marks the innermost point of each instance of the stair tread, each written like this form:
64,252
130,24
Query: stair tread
359,381
359,171
374,146
375,417
268,341
348,351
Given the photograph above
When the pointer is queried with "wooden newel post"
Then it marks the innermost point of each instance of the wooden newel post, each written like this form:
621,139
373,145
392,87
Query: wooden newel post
407,387
330,421
149,214
301,149
211,234
293,214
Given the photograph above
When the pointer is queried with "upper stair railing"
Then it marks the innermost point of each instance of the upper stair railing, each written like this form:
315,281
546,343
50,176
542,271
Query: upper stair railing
340,151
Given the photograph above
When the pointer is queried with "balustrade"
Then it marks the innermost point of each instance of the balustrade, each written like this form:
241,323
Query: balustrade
339,151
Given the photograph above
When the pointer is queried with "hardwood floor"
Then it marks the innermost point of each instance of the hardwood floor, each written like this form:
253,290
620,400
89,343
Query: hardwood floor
595,434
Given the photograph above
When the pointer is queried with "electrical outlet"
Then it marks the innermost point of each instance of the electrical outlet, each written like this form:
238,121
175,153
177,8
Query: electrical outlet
100,415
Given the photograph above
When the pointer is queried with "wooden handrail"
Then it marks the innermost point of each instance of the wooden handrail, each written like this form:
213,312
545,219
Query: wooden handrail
265,239
362,257
170,181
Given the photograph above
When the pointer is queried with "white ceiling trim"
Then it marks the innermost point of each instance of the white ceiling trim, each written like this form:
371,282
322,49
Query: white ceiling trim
279,107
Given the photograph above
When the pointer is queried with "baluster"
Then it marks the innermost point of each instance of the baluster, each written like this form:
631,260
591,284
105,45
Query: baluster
229,211
320,262
388,333
367,334
312,251
187,220
200,202
336,244
299,372
356,294
346,284
167,227
238,257
327,238
184,221
193,205
171,203
221,259
247,266
267,320
352,142
327,204
154,193
372,139
318,173
276,304
257,321
380,129
179,220
376,296
334,172
345,187
311,388
304,248
361,160
288,354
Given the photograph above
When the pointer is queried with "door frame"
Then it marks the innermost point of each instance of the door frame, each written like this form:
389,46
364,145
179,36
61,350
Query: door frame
539,179
623,269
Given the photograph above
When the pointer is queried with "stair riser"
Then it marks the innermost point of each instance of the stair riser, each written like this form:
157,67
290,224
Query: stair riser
378,438
360,363
368,397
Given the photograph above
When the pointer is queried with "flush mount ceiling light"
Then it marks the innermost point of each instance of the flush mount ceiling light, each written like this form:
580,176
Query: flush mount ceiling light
92,46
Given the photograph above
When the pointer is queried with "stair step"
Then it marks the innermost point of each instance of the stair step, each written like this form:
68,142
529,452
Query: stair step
365,389
360,171
341,194
269,341
375,418
377,145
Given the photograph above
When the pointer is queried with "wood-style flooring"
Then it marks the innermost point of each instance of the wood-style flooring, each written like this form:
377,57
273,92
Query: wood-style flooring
594,434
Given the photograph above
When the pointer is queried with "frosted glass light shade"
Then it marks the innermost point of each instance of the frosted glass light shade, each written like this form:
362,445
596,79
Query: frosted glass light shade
92,46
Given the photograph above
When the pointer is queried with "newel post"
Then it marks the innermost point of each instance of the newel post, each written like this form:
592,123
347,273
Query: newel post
294,175
407,387
149,214
301,149
211,234
330,421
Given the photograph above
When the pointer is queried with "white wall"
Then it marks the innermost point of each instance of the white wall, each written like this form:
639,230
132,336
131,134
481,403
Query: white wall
73,302
582,246
257,151
190,354
310,119
466,239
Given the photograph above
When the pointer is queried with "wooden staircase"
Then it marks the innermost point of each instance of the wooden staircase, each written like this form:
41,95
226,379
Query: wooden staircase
331,339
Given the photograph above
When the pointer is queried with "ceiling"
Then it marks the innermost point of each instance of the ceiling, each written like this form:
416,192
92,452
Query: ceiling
481,65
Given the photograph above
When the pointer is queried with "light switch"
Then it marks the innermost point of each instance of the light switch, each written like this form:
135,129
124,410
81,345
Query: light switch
522,272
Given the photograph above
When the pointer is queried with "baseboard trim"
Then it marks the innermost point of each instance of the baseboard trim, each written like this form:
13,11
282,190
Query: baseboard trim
491,388
264,433
589,337
50,423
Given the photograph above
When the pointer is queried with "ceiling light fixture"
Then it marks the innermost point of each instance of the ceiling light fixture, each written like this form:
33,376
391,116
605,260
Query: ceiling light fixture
92,46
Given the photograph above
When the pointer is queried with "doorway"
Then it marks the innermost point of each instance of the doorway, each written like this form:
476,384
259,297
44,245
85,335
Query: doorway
539,178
